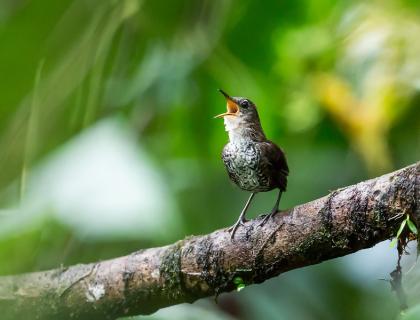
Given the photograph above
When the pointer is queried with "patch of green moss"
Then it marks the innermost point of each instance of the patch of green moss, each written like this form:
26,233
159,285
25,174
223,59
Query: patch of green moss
170,271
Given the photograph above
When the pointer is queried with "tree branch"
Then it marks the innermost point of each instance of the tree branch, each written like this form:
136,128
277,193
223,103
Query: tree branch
343,222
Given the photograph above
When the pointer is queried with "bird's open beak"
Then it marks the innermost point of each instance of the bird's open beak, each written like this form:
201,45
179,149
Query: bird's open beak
231,105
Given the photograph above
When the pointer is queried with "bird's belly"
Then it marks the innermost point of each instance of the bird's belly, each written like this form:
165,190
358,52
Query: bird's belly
243,165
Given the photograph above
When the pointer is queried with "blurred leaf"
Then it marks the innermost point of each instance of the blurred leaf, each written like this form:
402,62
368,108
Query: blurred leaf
195,311
238,280
412,313
411,225
393,243
239,287
400,230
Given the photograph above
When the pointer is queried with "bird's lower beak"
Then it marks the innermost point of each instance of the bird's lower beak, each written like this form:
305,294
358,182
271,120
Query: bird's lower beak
231,105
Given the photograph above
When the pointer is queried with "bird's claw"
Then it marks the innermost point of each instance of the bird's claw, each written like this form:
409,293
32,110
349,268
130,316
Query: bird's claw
266,218
232,229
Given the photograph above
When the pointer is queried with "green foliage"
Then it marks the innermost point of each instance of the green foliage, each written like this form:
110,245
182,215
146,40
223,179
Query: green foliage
108,143
400,230
405,222
411,225
412,313
239,282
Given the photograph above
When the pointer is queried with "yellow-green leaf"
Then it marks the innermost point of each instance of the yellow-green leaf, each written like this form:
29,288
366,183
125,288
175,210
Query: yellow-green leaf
240,287
400,230
412,226
238,280
393,243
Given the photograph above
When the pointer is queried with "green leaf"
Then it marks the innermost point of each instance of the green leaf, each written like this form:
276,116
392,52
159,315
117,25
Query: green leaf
400,230
238,280
393,243
411,225
240,287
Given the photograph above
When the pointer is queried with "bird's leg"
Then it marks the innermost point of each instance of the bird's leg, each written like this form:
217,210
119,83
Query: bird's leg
273,211
241,220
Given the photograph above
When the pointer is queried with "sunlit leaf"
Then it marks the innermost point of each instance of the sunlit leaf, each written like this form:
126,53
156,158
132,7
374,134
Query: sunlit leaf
240,287
238,280
411,225
393,243
400,230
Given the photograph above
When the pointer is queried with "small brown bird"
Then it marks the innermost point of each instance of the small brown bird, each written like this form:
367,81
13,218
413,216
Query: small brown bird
253,162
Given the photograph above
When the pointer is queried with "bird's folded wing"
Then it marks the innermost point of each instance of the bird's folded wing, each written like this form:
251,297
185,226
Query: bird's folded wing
276,163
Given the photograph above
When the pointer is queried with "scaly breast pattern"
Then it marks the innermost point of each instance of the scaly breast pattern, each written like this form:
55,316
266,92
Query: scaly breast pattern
243,163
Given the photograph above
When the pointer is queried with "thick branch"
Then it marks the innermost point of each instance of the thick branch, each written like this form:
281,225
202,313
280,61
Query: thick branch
343,222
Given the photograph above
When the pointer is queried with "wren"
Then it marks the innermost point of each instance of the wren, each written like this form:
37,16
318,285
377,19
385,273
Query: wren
253,162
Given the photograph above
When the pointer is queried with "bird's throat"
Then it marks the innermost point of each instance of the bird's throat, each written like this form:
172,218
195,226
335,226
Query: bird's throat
239,130
234,127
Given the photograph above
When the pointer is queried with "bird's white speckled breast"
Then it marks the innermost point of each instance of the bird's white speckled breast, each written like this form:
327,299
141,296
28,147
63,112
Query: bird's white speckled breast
242,159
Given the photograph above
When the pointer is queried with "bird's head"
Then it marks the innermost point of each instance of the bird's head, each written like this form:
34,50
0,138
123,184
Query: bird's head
241,114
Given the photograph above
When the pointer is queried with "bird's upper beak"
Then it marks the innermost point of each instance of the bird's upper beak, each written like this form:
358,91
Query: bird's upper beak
231,105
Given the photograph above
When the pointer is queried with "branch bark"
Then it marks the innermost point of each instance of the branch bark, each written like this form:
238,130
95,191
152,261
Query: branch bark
345,221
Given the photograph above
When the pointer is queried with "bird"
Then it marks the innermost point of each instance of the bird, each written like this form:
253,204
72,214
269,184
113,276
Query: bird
253,162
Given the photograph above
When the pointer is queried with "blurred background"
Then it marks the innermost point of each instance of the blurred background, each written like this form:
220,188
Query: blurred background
108,143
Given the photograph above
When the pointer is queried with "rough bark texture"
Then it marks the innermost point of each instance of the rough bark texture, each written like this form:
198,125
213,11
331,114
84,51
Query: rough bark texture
343,222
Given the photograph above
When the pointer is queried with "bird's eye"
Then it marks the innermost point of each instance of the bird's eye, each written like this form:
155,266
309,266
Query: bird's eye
244,103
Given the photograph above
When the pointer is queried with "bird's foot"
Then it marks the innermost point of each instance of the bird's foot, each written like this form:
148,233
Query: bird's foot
232,229
267,217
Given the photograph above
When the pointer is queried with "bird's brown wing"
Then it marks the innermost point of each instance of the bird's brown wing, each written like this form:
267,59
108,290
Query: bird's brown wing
276,164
